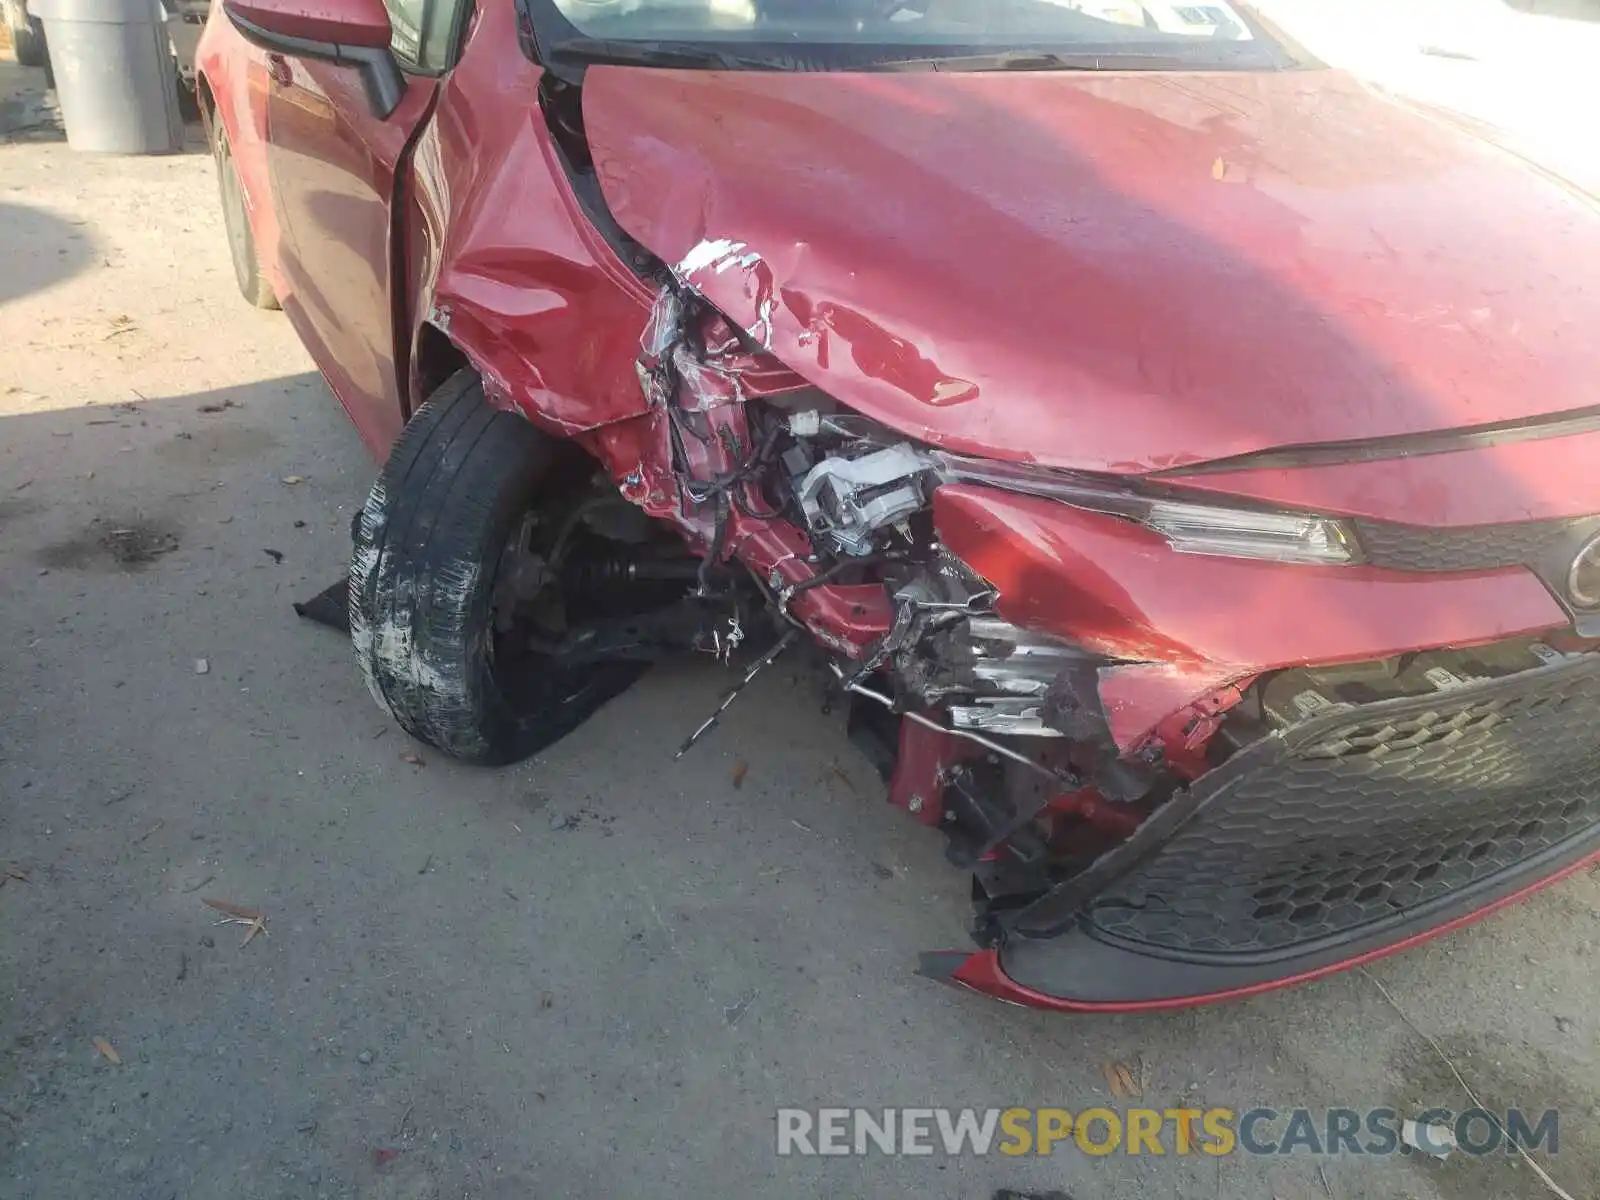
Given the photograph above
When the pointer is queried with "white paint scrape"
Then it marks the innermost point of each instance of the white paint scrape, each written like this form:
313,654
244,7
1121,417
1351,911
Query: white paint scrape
707,253
363,564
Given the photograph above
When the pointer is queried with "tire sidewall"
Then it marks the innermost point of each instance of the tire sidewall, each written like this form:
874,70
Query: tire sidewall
428,552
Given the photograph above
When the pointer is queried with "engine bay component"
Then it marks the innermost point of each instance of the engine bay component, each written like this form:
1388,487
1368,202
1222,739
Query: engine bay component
846,499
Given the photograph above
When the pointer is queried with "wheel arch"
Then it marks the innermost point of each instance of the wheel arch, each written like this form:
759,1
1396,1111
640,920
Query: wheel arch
436,357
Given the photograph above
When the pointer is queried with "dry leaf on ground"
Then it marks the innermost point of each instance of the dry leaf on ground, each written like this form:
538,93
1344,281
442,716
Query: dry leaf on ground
237,914
231,909
1120,1079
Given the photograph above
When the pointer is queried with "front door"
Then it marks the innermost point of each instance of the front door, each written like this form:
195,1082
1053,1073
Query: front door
333,165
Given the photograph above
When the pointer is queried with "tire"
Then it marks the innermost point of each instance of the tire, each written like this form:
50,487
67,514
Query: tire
27,36
247,270
428,547
188,102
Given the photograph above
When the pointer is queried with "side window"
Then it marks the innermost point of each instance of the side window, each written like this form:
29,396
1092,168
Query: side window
406,18
425,32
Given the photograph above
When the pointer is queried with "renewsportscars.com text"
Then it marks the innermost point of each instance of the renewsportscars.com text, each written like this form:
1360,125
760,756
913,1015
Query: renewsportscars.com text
1159,1131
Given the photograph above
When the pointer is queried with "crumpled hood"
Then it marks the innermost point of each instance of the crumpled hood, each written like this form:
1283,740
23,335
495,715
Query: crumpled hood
1117,272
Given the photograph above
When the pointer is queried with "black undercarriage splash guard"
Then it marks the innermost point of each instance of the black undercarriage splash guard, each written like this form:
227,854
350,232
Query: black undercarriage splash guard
330,606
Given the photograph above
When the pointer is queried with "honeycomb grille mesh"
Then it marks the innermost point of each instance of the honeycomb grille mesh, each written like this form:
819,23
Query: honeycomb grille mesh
1470,548
1370,818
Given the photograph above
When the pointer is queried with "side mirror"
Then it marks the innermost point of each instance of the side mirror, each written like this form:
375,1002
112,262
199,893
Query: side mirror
352,33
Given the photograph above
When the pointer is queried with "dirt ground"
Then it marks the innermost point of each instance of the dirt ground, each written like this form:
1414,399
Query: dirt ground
596,974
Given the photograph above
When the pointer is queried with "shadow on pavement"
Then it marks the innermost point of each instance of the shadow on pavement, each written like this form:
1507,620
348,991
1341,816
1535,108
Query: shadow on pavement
30,266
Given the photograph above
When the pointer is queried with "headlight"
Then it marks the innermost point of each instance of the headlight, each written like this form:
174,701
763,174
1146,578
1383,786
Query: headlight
1188,528
1246,533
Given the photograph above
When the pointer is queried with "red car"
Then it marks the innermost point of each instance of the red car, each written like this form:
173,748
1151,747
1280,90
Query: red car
1186,458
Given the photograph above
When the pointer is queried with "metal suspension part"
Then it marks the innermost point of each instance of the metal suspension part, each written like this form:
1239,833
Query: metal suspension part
592,574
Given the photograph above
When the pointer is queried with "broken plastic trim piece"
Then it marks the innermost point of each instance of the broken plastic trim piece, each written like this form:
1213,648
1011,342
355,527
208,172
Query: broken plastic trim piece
1015,661
1020,716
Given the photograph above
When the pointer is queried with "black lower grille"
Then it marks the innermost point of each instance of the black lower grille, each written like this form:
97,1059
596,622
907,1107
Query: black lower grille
1471,547
1362,816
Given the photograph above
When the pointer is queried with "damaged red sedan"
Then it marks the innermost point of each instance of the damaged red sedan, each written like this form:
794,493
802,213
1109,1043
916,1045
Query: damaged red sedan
1184,456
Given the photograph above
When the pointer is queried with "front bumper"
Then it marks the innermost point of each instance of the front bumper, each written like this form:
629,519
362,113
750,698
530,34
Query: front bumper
1348,836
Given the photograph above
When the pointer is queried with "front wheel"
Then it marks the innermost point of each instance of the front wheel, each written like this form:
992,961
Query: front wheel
431,579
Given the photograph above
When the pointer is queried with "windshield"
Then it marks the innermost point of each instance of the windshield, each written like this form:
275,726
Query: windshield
972,26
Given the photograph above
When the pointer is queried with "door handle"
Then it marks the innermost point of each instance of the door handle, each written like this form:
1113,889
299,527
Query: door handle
278,70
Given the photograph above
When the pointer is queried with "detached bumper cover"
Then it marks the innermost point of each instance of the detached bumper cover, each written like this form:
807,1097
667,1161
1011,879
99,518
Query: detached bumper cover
1345,837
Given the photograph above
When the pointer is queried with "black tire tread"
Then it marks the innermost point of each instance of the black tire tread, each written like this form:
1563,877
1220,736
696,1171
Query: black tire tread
427,545
398,632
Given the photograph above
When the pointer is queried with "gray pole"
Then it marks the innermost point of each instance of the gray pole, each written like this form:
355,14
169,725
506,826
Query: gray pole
114,75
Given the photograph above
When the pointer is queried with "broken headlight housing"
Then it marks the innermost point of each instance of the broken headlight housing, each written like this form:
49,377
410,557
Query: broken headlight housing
1248,533
1189,528
871,479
